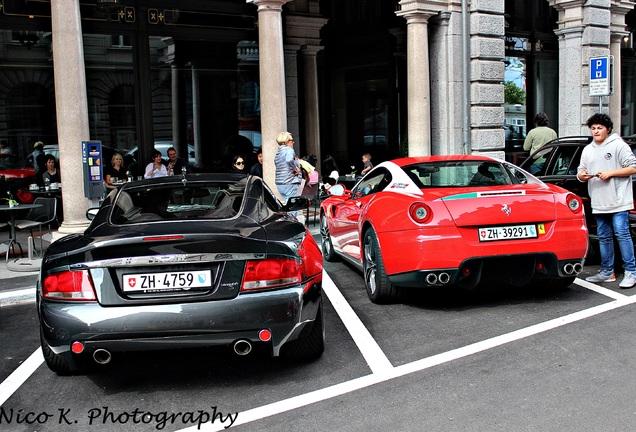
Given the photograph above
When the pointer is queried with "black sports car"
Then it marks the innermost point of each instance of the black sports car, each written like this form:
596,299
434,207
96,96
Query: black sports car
183,261
556,162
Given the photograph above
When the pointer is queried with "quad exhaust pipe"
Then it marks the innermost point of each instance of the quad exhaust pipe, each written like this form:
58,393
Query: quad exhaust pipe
570,268
433,278
102,356
443,278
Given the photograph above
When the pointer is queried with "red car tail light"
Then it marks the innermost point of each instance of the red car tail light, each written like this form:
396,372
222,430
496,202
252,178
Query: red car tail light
271,273
69,285
420,212
574,203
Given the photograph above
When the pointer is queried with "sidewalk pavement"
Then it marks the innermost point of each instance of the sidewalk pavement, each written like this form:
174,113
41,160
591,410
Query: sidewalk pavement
18,274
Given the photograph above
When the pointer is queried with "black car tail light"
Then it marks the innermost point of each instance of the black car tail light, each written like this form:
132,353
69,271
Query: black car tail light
69,285
271,273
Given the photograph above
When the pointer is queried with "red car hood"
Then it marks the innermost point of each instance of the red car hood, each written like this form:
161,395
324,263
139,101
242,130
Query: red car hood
18,173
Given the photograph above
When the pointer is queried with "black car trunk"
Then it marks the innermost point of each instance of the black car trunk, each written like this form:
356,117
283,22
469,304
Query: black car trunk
143,266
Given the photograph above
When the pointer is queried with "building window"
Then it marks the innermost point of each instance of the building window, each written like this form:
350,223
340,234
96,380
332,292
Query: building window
121,41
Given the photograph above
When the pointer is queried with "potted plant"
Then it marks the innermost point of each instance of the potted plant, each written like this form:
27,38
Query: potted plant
10,200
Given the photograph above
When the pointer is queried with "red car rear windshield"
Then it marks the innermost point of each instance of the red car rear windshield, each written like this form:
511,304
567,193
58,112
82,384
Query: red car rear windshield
459,174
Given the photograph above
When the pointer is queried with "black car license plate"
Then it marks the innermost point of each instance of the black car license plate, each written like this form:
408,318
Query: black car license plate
167,281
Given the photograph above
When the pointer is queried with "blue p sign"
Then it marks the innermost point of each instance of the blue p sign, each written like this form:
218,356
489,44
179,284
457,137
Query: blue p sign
598,68
599,76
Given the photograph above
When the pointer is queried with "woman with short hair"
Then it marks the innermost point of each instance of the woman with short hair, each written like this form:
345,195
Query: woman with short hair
156,168
288,176
115,171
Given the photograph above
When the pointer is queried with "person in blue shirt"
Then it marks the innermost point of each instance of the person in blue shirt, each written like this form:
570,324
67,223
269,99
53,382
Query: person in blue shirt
288,175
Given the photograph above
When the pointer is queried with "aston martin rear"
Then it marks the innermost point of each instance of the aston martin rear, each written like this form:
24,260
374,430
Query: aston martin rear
178,262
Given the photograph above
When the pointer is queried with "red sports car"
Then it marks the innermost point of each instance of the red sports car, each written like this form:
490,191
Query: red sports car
14,176
454,220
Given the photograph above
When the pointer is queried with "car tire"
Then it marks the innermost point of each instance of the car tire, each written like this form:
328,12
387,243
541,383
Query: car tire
326,245
379,288
56,362
310,343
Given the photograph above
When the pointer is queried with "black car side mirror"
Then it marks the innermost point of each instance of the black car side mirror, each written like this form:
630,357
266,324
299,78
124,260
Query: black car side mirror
91,213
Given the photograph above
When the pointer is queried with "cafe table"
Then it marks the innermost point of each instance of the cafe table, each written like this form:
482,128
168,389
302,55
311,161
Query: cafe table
50,192
13,242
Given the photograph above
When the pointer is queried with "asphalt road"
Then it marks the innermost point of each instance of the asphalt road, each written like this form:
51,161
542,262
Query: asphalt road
493,360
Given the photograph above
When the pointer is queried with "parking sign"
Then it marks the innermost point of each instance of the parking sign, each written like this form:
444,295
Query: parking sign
600,76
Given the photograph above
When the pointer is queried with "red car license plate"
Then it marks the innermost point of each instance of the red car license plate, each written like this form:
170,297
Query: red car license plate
507,232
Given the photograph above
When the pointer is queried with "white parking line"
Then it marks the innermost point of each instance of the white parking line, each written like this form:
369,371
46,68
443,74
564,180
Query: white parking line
20,375
371,351
381,368
513,336
26,295
599,289
416,366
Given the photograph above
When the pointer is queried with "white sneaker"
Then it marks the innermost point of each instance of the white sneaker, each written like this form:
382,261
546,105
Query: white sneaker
629,280
601,277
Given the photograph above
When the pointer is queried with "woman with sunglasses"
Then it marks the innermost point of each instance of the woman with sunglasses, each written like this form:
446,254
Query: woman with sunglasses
238,165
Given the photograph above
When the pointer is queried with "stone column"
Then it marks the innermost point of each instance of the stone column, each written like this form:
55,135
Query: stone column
177,129
615,100
619,9
71,108
487,51
304,31
418,81
272,81
442,85
291,93
196,117
583,33
311,108
570,82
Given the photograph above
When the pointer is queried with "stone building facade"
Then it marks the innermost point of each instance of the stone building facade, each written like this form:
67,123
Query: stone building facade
390,77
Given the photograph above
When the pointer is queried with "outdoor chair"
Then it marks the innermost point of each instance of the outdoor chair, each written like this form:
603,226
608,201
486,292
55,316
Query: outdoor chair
311,191
38,217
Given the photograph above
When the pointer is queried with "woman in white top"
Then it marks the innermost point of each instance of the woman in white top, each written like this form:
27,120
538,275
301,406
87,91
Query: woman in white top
156,168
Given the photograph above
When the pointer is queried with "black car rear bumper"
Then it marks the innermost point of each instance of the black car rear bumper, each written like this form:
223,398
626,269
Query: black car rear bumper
283,312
